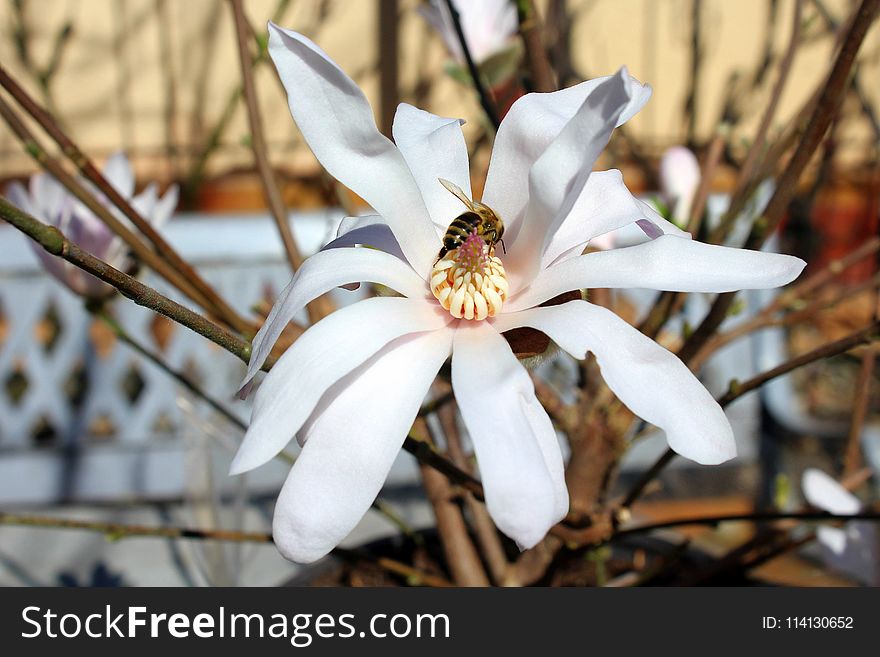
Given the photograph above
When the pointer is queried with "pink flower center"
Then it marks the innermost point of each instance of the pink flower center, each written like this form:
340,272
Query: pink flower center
473,254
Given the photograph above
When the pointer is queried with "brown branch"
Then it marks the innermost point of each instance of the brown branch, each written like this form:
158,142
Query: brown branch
696,60
531,31
461,554
118,531
747,517
747,170
864,336
716,150
318,308
193,281
483,526
852,459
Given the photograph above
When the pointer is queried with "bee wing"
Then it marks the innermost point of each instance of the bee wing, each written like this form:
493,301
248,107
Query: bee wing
457,191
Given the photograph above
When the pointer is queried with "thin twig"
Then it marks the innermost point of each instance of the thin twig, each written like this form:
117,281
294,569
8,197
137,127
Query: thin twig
119,331
696,60
485,100
748,167
318,308
747,517
852,456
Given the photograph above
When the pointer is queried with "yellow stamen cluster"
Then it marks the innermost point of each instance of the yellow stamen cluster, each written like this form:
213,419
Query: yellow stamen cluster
470,288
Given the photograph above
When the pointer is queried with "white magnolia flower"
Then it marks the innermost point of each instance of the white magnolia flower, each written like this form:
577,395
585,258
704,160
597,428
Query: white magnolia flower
679,180
854,549
488,26
351,385
47,200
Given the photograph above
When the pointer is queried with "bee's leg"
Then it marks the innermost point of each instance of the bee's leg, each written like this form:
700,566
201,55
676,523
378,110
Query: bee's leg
503,248
443,252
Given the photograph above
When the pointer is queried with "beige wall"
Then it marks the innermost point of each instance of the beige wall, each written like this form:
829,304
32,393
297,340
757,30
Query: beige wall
119,92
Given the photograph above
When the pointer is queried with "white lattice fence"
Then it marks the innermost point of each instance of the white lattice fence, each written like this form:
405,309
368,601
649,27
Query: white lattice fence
83,417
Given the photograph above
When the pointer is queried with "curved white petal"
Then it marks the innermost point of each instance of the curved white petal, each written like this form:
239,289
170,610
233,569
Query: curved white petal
666,263
337,122
352,444
530,126
823,492
320,357
604,205
558,176
118,172
434,148
366,230
652,382
321,273
521,472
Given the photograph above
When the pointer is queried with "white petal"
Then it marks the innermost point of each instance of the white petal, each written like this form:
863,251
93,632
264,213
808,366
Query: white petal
604,205
320,357
525,496
434,148
530,126
652,382
145,202
666,263
833,538
91,234
337,122
49,197
118,172
19,197
367,230
321,273
352,444
825,493
165,207
679,180
558,176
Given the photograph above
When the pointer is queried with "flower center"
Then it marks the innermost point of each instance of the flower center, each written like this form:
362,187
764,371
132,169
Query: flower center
469,281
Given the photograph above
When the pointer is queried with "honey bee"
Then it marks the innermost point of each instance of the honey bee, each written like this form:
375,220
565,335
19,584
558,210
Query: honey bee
479,217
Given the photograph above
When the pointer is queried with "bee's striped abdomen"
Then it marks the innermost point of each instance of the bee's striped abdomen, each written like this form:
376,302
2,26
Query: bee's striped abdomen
458,231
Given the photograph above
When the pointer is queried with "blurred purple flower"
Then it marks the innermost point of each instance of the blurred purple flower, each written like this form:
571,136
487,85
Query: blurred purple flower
47,200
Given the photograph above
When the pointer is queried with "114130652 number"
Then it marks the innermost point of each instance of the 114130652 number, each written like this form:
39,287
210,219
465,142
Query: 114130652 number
819,622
